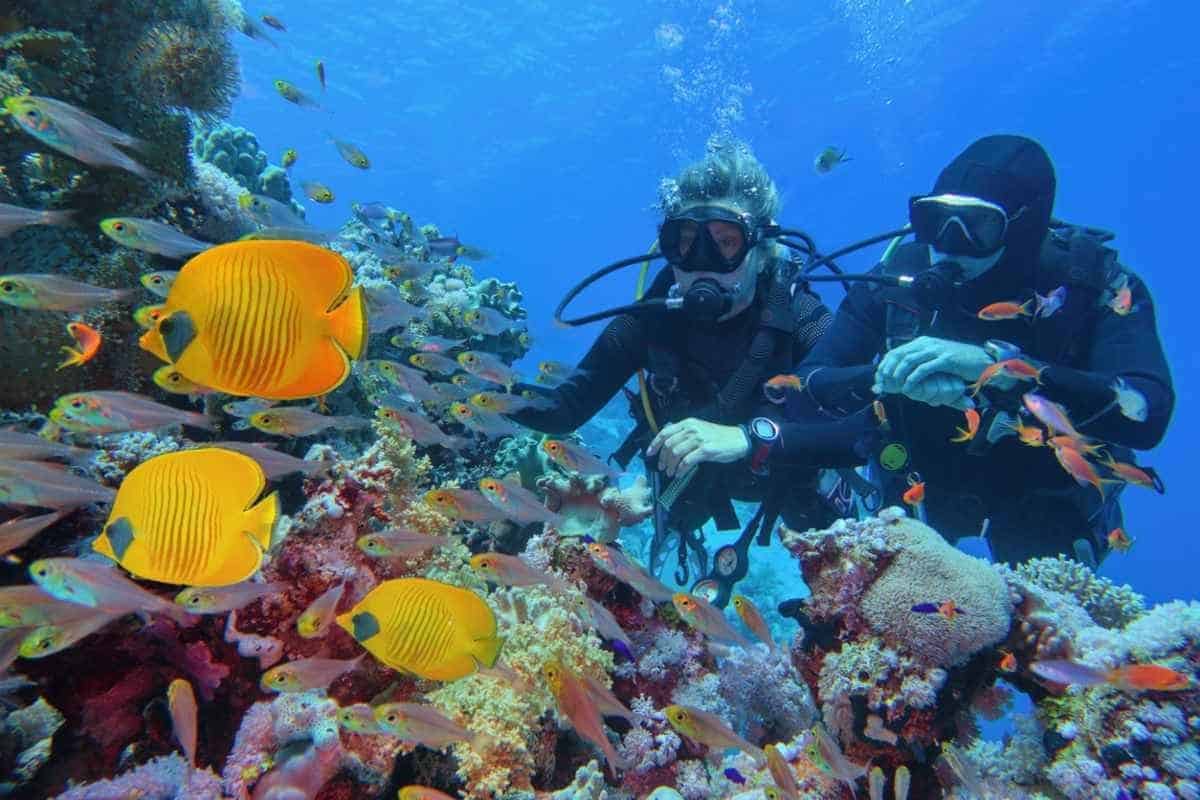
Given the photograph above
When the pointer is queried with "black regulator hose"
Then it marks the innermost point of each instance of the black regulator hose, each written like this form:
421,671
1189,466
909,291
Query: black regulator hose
641,306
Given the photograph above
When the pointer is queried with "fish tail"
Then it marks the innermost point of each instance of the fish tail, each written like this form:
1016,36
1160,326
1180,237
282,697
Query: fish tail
963,435
1024,308
260,520
196,420
60,217
74,358
348,323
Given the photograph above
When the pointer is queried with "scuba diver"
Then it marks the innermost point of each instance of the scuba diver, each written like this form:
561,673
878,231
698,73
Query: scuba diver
724,317
996,278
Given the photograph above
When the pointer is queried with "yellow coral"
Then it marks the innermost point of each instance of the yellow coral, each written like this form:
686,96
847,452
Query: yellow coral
538,626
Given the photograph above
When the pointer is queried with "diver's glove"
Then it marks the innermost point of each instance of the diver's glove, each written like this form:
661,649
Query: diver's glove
912,363
939,389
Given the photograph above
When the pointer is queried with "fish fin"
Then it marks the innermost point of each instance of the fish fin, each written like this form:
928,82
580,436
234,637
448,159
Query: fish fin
260,519
120,536
242,560
241,425
74,358
487,650
177,331
348,323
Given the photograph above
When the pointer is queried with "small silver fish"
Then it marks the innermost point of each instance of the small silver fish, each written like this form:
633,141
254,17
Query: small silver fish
151,236
15,217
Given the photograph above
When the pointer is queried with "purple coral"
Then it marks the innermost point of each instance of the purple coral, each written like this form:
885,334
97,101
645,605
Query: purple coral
164,778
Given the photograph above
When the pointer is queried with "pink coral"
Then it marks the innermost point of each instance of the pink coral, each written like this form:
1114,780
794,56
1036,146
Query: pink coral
591,508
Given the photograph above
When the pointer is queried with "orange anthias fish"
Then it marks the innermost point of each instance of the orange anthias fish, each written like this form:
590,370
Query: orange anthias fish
182,703
1008,662
1131,473
1076,465
1010,367
968,433
1007,309
753,619
89,340
915,494
776,388
1030,435
880,414
1119,541
1122,302
1132,678
576,704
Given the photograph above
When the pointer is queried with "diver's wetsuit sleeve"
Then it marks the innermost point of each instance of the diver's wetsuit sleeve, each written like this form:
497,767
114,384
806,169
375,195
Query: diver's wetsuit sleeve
1125,347
839,371
827,428
614,357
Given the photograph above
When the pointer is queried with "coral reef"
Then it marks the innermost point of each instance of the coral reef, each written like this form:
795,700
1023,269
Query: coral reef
592,508
1110,605
235,151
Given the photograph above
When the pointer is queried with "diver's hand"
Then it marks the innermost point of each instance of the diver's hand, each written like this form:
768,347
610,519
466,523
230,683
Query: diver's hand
684,444
912,363
939,389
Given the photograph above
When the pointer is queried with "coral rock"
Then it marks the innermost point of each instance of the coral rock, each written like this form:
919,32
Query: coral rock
930,570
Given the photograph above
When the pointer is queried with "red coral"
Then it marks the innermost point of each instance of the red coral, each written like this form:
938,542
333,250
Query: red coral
114,717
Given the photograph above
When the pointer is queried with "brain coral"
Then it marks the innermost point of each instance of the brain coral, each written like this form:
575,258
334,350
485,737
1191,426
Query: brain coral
927,569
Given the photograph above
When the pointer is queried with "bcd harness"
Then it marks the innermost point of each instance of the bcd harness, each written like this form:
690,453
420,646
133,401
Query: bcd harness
1072,256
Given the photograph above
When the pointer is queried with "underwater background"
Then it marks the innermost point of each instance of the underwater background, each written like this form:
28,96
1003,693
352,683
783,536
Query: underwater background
539,133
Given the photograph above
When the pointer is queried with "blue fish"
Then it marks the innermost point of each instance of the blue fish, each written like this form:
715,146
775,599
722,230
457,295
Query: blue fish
925,608
1050,303
620,648
735,776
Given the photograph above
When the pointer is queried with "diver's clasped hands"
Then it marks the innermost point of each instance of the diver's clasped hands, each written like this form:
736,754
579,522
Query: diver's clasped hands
690,442
932,371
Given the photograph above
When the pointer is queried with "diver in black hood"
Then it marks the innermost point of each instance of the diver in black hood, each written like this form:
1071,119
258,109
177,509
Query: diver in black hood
1001,280
725,316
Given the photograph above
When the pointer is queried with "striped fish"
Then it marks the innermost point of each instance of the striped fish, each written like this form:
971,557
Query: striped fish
430,629
271,319
186,518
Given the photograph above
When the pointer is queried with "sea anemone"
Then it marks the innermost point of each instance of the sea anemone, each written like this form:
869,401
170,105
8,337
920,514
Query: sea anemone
182,66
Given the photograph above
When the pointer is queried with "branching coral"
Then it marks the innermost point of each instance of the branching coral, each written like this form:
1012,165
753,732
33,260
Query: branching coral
1110,605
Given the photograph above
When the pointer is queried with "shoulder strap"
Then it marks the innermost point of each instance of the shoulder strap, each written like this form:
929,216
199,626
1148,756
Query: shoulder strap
902,322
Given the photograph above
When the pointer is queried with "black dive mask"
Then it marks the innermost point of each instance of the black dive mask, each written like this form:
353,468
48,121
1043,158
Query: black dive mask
707,239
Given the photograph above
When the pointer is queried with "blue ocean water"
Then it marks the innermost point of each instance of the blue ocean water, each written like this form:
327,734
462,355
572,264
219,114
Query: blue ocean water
540,131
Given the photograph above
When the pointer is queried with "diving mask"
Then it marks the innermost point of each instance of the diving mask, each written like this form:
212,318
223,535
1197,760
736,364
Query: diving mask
959,225
707,239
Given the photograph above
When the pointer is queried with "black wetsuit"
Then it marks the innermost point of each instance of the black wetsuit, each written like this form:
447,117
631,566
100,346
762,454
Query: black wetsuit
688,364
1032,505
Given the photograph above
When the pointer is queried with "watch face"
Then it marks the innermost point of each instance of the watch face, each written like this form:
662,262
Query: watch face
763,428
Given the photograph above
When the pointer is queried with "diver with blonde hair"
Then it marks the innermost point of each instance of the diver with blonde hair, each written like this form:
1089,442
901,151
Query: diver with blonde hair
725,316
